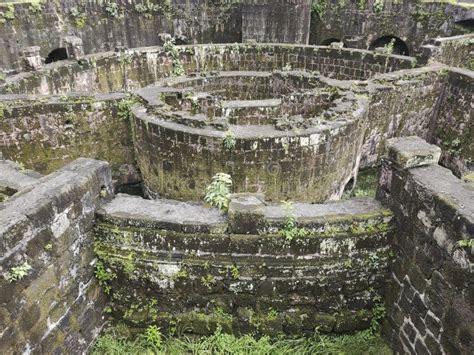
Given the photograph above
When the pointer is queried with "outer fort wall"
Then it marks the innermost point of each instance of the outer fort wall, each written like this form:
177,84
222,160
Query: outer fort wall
429,298
49,298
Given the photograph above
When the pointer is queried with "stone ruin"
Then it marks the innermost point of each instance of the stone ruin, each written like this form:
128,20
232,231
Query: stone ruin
110,135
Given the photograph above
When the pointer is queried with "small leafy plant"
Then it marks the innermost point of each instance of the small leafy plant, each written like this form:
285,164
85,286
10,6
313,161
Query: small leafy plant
18,272
104,276
291,230
234,271
208,281
378,6
124,109
173,52
465,243
7,14
78,16
388,48
229,140
153,336
218,191
272,314
378,313
112,9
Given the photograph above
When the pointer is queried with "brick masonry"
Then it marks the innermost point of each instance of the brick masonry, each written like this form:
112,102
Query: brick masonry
429,297
57,305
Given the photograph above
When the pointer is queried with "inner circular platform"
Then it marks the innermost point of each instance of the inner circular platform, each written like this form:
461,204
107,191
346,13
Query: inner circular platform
281,133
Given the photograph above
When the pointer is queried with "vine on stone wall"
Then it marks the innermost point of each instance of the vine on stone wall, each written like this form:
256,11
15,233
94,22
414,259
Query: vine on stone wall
7,14
172,51
319,7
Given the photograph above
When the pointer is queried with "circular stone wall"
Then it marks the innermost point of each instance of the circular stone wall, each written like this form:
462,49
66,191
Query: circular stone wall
303,146
285,134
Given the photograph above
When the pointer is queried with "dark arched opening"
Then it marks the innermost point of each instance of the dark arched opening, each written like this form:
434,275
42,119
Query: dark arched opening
328,41
399,47
466,25
56,55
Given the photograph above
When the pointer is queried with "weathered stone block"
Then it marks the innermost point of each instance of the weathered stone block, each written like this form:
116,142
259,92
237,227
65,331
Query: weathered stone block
31,58
74,47
56,288
409,152
246,213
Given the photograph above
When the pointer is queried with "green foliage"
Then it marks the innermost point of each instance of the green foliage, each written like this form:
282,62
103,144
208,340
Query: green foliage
208,280
147,8
153,336
373,261
18,272
181,274
272,314
318,7
378,313
388,48
330,230
453,142
21,165
36,7
366,184
104,276
291,230
357,228
112,9
218,191
124,109
172,51
7,14
365,342
465,243
378,6
78,16
229,140
234,271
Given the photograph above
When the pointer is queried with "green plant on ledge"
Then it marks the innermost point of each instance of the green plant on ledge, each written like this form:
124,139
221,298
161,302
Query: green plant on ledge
378,6
18,272
7,14
112,10
104,276
218,192
124,109
78,16
173,52
234,271
319,7
291,230
465,243
208,281
229,140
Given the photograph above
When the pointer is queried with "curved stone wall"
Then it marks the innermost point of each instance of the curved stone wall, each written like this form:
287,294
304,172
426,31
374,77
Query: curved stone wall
46,133
172,264
309,159
104,25
109,72
359,24
389,95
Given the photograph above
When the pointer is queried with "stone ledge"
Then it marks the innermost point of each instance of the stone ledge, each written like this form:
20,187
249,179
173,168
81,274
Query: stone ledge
165,214
409,152
447,188
13,177
248,214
